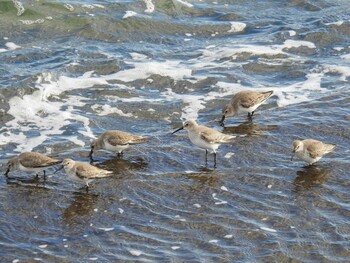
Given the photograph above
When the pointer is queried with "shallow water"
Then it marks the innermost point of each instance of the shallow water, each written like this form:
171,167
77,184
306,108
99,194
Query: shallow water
70,72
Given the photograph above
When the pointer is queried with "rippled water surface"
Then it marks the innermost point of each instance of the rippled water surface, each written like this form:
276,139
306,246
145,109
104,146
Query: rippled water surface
71,70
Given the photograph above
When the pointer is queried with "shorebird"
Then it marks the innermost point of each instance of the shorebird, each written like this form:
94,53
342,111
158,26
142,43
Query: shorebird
83,172
310,150
115,141
31,162
205,138
245,101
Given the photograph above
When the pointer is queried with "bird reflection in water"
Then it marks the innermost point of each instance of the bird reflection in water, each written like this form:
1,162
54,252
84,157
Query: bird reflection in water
311,175
249,128
121,166
82,205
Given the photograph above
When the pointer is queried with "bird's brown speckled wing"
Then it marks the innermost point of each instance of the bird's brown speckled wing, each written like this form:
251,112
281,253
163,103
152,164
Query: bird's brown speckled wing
36,160
87,171
123,138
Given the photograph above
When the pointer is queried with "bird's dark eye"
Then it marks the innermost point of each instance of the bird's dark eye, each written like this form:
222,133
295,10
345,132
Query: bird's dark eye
226,111
186,124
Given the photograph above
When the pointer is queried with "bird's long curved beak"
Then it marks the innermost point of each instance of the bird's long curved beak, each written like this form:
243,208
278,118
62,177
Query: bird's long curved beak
7,171
222,120
179,129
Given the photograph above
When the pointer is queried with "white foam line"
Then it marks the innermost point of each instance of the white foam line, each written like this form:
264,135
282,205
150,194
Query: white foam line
184,3
144,69
129,14
268,229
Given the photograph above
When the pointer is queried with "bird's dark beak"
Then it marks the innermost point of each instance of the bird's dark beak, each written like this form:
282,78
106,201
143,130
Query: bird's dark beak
7,171
62,166
222,120
293,153
179,129
91,152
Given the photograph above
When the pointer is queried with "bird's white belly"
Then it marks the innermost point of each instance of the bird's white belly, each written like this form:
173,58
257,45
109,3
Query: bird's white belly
31,169
306,157
246,110
117,148
199,142
72,176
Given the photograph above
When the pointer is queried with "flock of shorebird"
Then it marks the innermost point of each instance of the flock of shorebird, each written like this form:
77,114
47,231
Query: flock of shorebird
203,137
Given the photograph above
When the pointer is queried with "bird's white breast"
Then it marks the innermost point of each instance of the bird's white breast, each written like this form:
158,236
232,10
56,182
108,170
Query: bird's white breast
198,141
304,155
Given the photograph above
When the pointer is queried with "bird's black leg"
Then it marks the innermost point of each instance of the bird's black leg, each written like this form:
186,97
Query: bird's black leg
44,175
250,115
206,157
214,159
37,175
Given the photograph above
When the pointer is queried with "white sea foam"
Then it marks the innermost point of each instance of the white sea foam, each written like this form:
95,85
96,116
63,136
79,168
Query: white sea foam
106,229
237,27
144,69
229,155
10,46
268,229
149,6
298,43
69,7
37,111
135,252
224,188
184,3
129,14
106,109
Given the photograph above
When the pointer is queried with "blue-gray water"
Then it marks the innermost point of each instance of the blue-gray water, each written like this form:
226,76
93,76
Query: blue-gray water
70,72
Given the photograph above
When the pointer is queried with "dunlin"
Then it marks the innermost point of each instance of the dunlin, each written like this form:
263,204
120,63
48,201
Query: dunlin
83,172
115,141
310,150
244,102
204,137
31,162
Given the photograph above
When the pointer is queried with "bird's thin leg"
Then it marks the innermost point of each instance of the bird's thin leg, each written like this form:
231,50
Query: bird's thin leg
250,116
44,175
206,156
214,159
37,175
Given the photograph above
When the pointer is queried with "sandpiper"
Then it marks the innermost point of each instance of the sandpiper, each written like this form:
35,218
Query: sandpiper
204,137
310,150
115,141
83,172
245,101
31,162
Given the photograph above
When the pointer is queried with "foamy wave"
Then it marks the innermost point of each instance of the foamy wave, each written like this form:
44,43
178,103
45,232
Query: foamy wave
104,110
38,113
